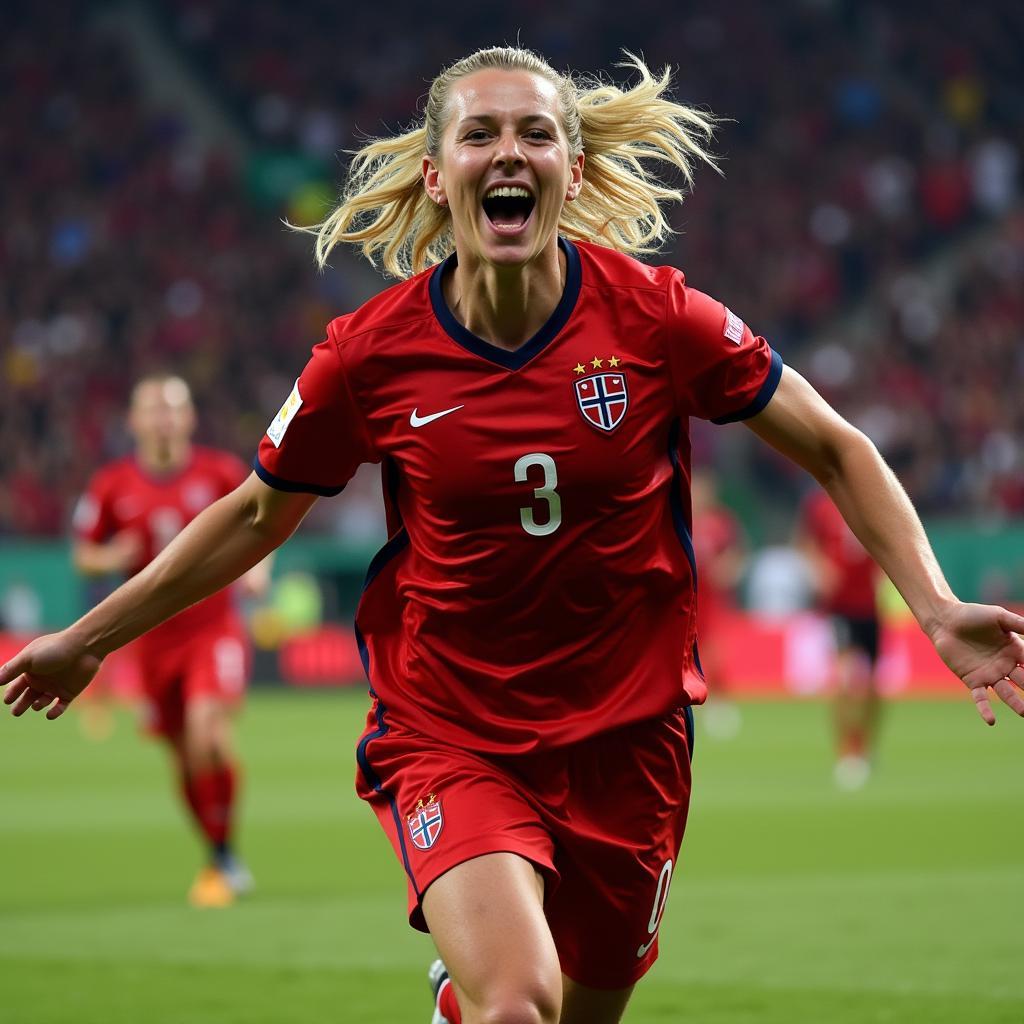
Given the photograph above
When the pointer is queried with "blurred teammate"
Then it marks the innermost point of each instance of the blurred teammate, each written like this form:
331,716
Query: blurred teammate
192,668
720,549
846,579
528,628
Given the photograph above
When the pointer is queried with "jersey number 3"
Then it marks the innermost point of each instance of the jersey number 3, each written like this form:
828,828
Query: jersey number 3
546,493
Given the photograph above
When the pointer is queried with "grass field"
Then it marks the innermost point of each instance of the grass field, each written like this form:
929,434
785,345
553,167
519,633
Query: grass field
901,903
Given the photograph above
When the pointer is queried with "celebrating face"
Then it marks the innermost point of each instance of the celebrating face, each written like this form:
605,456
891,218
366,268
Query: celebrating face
505,167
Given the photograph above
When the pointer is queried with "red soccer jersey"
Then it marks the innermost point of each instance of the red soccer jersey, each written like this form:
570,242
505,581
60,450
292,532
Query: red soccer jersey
538,583
856,574
124,496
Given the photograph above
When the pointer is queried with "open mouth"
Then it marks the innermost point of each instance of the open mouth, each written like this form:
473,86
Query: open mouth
508,208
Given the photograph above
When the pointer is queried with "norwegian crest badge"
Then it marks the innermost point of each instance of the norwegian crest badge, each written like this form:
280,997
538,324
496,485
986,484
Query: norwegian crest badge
603,399
426,822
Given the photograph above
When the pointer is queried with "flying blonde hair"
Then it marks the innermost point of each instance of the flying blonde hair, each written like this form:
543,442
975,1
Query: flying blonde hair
386,211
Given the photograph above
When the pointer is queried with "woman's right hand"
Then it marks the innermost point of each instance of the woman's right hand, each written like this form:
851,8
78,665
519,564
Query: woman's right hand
48,674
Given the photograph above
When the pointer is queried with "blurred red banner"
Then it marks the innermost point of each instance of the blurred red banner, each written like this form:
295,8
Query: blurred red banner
793,656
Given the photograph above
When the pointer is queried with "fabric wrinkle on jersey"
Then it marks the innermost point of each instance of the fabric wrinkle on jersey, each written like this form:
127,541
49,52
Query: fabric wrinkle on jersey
472,627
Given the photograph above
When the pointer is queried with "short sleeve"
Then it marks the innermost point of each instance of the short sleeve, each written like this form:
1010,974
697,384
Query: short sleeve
92,519
721,370
318,438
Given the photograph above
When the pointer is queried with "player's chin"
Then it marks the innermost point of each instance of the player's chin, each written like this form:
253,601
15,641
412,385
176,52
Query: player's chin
503,247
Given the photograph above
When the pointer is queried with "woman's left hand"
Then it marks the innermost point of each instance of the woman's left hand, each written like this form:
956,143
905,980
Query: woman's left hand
982,645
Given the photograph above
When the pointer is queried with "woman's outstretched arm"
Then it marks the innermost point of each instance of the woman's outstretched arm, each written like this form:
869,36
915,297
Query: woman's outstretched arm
980,643
218,546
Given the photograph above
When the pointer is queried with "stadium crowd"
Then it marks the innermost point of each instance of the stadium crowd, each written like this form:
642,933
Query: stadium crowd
125,247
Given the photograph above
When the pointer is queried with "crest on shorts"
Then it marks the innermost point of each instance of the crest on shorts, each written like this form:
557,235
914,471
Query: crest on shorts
603,399
426,822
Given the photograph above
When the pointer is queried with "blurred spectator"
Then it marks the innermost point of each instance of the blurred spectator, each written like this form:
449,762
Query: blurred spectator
126,247
720,549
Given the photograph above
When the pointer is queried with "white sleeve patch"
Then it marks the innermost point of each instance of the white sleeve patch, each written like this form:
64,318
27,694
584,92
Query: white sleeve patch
285,415
733,327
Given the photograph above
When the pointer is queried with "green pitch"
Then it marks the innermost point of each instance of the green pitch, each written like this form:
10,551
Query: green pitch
900,903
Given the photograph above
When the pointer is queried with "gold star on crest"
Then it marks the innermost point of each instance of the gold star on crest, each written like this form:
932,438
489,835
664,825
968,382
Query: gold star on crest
614,361
579,368
597,363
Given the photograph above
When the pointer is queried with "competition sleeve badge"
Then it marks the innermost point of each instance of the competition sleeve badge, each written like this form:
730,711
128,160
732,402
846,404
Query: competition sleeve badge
602,397
733,329
285,414
426,822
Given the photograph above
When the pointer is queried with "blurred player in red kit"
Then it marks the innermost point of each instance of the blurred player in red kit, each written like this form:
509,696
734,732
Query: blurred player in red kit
192,668
528,628
847,579
721,550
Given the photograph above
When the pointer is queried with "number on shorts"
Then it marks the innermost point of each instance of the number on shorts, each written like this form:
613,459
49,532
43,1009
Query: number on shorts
546,493
660,899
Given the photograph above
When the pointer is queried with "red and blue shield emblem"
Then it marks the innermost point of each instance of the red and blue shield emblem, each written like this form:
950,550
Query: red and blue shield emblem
603,399
426,824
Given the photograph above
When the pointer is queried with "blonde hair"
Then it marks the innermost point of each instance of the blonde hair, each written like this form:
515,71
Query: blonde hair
386,211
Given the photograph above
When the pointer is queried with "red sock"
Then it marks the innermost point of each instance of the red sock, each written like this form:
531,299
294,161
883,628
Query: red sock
446,1003
227,780
188,794
853,743
211,797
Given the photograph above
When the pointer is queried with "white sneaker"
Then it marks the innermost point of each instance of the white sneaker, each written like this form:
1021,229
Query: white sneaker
437,975
852,772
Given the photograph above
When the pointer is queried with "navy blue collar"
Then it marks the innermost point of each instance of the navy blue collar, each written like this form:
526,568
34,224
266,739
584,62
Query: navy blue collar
502,356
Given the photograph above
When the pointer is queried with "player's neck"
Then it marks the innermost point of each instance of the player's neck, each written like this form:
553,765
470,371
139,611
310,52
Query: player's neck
506,306
163,459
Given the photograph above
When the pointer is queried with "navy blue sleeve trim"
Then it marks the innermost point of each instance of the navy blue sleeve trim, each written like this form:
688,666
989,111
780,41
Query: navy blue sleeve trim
289,485
762,398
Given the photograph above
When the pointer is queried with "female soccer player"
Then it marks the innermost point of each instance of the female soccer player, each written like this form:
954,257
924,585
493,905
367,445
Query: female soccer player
846,580
193,669
528,629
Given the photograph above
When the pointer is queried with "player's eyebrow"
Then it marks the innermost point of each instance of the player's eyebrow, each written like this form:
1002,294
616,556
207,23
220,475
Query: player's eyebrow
491,119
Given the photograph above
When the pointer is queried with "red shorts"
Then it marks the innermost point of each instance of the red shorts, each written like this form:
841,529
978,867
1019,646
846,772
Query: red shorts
601,819
211,663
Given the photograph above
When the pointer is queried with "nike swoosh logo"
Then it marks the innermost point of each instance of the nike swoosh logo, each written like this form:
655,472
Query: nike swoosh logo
415,420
